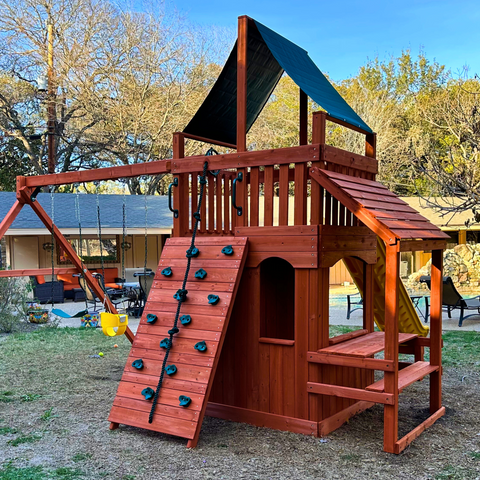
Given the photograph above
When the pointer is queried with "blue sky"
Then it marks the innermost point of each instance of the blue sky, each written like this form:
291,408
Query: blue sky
341,35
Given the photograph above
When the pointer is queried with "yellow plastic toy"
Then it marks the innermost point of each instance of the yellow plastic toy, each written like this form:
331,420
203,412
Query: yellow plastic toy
113,324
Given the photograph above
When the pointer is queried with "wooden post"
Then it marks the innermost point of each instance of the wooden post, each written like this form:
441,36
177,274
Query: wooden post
436,330
242,62
318,136
462,237
181,192
371,145
303,120
242,45
392,275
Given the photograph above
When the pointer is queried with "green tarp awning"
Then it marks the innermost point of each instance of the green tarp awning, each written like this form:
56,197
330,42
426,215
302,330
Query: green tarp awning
268,56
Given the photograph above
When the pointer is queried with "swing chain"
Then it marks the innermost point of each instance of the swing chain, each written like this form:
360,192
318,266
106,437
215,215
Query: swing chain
80,239
174,329
52,200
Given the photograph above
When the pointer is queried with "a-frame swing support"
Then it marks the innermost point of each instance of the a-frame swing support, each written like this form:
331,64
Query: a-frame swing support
27,185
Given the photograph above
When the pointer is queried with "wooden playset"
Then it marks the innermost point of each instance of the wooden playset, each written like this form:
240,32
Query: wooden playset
236,324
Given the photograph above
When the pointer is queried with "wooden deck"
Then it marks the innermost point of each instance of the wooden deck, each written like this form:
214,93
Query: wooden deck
364,346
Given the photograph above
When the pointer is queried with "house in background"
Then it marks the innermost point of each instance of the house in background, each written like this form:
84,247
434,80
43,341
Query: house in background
28,245
27,242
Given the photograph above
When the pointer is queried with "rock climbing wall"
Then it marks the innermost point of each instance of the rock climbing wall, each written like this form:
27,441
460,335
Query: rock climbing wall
203,320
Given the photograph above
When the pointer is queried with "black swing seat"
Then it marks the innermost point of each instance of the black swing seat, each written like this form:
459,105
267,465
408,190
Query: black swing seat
452,300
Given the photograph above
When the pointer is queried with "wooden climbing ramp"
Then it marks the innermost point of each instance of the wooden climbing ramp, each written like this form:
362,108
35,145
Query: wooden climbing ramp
195,370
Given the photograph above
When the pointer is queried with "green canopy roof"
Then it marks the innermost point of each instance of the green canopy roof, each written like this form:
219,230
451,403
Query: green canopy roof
269,55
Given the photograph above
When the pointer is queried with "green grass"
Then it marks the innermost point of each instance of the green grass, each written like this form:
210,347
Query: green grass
9,472
7,430
25,473
29,397
23,439
451,472
67,473
474,455
461,349
79,457
47,415
6,397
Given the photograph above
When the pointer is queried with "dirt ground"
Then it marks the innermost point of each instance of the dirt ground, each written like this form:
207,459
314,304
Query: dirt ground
55,400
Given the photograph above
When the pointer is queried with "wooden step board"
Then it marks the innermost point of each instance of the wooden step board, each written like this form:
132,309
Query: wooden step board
406,376
195,370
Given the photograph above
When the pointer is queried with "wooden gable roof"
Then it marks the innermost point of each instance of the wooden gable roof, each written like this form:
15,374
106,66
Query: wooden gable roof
377,207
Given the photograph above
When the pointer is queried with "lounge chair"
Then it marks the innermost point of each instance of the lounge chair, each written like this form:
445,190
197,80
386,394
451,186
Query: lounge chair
452,300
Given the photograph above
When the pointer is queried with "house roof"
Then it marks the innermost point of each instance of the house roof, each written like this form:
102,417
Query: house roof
159,218
449,221
379,209
269,55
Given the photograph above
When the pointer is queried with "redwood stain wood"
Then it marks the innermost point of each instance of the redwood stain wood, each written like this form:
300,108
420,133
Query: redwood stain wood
195,370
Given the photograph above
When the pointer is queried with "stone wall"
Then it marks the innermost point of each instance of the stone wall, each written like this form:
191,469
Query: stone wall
462,263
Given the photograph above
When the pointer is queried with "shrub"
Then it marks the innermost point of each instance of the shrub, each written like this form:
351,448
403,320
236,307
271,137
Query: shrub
14,293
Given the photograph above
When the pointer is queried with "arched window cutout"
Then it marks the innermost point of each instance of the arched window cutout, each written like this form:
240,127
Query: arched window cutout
277,299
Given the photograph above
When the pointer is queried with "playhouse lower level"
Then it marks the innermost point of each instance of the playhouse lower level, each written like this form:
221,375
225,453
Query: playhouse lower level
270,360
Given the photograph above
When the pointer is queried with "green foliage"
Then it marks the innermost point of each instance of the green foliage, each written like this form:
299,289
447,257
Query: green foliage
23,439
29,397
80,457
47,415
9,472
13,307
8,430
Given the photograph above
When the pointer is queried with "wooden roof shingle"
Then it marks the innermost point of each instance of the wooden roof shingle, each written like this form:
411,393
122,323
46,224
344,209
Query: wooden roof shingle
377,207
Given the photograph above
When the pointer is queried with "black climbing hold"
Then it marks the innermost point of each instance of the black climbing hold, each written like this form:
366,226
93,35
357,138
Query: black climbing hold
193,252
171,370
185,319
203,181
201,346
151,318
197,216
148,393
167,271
184,400
173,331
165,343
138,364
200,273
213,299
181,295
228,250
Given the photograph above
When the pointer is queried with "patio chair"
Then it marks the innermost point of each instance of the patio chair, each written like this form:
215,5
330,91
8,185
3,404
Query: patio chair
92,299
145,279
353,299
452,300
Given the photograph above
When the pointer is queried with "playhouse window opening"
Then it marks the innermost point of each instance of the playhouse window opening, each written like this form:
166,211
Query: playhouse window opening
277,293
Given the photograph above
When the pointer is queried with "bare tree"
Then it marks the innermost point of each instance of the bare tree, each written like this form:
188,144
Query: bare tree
124,80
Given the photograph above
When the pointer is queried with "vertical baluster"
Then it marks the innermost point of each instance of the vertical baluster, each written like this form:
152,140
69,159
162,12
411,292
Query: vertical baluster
211,203
254,197
283,194
233,210
218,204
203,211
268,196
226,203
317,192
300,200
194,195
341,220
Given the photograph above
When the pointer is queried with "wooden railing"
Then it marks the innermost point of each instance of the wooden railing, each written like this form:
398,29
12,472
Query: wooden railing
275,191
